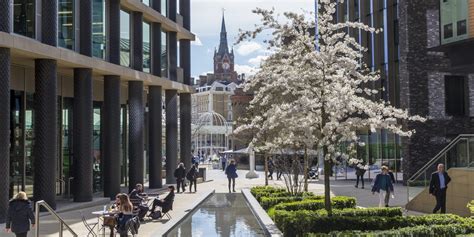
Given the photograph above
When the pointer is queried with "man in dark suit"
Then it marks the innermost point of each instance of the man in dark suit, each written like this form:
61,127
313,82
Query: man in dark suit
438,186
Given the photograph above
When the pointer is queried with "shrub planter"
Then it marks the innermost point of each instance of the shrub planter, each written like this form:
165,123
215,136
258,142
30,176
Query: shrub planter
265,221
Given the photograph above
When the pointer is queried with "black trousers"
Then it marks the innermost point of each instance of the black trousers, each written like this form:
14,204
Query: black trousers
270,174
21,234
440,201
361,179
279,173
233,183
223,166
157,203
191,182
180,183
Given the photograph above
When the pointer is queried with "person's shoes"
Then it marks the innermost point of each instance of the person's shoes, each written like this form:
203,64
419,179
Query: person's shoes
362,187
230,191
386,205
356,186
234,191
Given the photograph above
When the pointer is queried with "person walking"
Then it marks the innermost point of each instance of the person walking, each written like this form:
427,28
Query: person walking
383,186
360,171
438,186
271,168
192,177
223,162
231,172
19,215
180,174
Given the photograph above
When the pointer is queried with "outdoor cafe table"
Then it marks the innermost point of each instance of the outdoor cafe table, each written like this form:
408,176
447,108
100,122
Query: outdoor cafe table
102,215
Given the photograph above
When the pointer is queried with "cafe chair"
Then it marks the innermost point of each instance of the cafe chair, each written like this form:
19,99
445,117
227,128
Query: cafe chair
89,226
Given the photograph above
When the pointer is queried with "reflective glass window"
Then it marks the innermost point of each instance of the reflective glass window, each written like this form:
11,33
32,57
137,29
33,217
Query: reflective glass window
164,7
24,17
146,47
124,38
146,2
164,54
66,23
98,28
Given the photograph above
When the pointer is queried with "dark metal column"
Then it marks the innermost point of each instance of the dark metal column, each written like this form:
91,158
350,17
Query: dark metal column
4,129
156,5
46,132
154,135
185,60
171,134
185,11
111,136
156,49
5,71
85,27
136,117
185,125
137,40
49,22
173,55
172,9
82,136
113,31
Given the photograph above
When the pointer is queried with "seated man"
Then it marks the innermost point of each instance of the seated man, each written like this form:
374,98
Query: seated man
168,200
137,197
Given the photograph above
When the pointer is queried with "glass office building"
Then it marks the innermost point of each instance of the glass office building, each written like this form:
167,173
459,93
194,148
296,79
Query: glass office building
75,95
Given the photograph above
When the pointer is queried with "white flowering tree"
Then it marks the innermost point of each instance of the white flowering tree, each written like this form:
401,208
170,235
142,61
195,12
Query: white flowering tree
316,98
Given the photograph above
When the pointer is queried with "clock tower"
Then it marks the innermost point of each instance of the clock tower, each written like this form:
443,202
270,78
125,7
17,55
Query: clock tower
224,59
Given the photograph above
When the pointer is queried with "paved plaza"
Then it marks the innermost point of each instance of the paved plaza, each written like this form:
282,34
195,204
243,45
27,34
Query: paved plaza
185,202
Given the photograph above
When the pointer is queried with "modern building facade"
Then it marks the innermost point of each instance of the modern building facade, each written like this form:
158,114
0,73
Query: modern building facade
84,88
425,58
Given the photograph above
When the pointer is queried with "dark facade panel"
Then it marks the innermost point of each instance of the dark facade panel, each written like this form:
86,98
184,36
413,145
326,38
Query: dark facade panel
171,134
82,125
185,129
185,11
49,22
5,73
136,127
5,17
185,60
111,136
173,55
113,31
45,148
155,136
85,27
136,19
156,48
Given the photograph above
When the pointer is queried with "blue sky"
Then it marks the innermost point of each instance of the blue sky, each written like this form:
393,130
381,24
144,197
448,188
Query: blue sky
206,24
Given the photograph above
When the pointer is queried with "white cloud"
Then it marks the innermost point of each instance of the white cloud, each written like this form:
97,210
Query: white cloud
248,70
196,42
256,61
247,48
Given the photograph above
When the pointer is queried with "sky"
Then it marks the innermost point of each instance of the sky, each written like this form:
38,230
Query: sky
206,17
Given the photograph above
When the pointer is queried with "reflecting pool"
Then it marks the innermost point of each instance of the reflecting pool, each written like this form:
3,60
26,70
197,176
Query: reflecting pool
220,215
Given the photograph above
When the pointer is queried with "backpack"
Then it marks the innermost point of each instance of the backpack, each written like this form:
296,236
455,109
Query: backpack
155,215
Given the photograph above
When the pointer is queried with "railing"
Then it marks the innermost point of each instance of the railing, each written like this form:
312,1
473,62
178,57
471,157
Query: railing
62,223
456,154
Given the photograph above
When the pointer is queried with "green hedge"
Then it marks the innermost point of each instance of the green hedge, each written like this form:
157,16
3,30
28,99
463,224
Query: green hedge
268,202
432,230
297,223
359,212
266,189
339,202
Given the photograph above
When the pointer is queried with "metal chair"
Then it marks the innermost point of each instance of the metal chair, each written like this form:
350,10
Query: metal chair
89,226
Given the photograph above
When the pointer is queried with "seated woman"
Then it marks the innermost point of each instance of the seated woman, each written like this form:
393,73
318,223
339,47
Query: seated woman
123,212
168,200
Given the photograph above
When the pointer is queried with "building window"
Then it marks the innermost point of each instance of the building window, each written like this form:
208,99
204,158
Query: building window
66,24
24,17
164,54
448,31
146,47
462,27
455,96
124,38
164,7
146,2
98,29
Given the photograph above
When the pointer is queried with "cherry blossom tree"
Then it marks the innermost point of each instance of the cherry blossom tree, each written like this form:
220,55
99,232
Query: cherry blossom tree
316,99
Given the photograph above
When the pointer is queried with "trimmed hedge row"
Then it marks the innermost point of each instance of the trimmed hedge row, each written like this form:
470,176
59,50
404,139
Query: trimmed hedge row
268,202
362,212
297,223
339,202
433,230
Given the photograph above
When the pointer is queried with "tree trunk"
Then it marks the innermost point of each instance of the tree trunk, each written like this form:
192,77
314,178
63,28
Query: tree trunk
266,169
305,170
296,163
327,187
